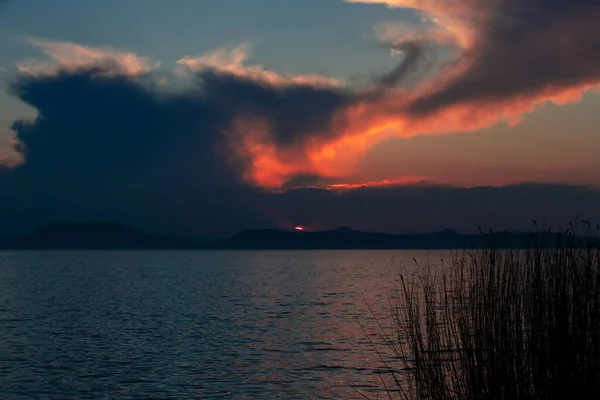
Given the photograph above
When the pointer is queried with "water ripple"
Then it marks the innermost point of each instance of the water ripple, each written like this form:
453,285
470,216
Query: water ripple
193,325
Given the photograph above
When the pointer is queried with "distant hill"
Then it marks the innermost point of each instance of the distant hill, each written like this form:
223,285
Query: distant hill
342,238
93,236
115,236
346,238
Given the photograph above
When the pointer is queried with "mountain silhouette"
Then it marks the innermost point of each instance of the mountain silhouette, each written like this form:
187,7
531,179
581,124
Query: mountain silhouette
341,238
102,235
96,235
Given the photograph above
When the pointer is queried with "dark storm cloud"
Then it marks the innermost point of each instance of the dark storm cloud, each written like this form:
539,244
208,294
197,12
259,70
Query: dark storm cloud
295,110
106,145
93,120
525,48
111,147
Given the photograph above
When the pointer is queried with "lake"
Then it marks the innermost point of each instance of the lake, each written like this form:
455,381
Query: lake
195,325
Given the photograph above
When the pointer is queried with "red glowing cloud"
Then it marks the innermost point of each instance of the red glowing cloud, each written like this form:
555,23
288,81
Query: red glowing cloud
511,57
494,78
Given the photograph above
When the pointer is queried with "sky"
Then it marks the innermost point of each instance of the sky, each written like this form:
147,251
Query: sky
204,118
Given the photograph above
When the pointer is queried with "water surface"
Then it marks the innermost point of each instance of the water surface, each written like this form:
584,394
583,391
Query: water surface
201,325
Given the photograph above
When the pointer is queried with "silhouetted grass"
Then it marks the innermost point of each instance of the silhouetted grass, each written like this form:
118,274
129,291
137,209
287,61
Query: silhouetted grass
502,324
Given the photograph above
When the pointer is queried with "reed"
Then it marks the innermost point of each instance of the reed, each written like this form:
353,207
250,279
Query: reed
502,324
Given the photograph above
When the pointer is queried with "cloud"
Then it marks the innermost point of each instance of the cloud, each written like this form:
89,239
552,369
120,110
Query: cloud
105,144
455,21
68,56
110,143
232,60
289,110
511,57
536,49
282,126
414,53
108,147
511,50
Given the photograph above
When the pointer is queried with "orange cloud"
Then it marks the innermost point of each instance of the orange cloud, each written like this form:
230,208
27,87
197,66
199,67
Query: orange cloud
359,127
512,57
233,60
71,57
493,79
408,180
266,165
456,20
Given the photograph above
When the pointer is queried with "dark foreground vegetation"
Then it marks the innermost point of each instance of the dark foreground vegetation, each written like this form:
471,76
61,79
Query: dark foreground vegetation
501,324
